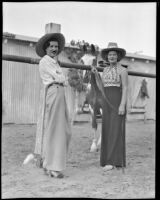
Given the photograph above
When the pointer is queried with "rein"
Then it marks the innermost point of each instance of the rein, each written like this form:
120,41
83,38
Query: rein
101,88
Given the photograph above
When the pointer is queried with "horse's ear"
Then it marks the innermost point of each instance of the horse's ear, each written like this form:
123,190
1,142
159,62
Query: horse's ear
93,49
84,48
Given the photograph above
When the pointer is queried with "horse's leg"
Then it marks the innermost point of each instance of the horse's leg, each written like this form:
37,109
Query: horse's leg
99,141
75,108
93,147
99,136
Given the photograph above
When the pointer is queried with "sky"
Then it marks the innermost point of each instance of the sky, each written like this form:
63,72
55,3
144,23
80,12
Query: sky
131,25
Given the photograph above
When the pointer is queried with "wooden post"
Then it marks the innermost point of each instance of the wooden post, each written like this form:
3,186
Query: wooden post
52,28
29,60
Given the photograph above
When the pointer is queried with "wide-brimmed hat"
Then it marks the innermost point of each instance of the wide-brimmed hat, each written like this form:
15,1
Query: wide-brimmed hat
112,46
59,37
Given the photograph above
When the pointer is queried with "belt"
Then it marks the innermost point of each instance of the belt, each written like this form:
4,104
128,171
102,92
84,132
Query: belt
61,84
56,83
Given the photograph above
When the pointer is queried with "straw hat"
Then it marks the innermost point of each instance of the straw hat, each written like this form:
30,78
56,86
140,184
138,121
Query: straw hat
113,47
48,37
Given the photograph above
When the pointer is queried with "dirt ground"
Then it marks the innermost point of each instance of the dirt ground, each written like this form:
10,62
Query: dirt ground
83,177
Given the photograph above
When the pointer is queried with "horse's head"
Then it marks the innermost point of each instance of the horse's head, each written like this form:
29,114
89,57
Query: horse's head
89,49
87,77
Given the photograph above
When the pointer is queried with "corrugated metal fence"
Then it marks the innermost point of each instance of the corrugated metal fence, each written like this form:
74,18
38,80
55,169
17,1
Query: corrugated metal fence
20,85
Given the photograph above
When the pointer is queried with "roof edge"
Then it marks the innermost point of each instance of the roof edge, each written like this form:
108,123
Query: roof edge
8,35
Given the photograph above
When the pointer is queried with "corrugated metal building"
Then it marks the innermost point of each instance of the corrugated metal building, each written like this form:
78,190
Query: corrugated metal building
140,108
21,82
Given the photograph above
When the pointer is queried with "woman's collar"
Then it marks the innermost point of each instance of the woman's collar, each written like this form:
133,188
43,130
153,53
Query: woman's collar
51,59
116,65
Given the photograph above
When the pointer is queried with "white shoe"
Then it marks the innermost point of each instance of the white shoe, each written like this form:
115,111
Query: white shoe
28,159
108,167
93,147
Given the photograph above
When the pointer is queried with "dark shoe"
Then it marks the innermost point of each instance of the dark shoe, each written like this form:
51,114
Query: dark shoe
39,162
54,174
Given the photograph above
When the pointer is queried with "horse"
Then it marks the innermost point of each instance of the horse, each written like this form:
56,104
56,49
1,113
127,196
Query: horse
93,94
94,100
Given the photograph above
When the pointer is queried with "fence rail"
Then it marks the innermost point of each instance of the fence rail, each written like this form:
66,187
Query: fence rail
30,60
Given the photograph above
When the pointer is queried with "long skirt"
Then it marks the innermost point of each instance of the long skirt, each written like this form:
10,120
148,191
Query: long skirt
113,130
56,131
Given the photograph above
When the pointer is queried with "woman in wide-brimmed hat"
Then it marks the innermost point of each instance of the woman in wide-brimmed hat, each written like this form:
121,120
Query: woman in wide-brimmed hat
53,125
115,82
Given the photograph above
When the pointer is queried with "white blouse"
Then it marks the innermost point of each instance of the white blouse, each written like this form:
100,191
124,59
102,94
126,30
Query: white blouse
50,71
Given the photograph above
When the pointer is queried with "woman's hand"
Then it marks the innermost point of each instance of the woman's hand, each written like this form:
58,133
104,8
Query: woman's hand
93,66
93,69
121,110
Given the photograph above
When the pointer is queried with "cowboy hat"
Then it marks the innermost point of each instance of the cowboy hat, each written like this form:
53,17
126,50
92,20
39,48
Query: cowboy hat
113,47
48,37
